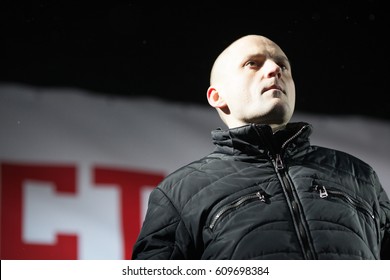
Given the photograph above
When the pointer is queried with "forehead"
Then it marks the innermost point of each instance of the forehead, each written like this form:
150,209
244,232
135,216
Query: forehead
253,46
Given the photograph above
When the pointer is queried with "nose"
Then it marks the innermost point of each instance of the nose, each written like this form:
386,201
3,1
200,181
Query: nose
272,69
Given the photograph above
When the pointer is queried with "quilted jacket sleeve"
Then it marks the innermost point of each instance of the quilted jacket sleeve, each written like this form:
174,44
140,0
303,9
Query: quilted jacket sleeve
385,227
384,204
385,251
157,239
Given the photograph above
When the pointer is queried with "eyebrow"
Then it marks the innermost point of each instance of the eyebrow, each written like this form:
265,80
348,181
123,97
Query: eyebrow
279,58
282,58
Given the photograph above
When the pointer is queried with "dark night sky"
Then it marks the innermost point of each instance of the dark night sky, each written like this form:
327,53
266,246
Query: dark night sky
339,49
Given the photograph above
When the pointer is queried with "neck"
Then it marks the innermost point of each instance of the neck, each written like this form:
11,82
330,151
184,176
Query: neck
276,128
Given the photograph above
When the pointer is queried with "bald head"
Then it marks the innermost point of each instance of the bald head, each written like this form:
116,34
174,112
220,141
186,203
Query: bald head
220,64
251,82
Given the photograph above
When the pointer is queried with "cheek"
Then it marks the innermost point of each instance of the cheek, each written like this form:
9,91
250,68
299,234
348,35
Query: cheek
292,94
238,91
232,91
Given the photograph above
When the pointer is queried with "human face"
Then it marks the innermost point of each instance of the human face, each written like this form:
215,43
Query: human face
252,83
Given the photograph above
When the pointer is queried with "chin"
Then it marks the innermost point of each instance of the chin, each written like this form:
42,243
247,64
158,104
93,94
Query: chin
280,111
275,117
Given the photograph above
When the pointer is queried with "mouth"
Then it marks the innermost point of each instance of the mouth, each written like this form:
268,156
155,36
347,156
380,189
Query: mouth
274,86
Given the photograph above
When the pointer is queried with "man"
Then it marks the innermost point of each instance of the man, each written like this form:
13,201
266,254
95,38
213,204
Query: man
265,192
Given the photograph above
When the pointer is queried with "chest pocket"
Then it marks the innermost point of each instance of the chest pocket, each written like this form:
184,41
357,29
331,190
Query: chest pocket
360,206
223,211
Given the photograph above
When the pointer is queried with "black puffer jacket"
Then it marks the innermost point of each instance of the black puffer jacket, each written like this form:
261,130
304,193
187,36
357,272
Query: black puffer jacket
251,199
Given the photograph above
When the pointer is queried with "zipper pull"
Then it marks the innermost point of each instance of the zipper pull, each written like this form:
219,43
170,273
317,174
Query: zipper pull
322,190
279,162
260,196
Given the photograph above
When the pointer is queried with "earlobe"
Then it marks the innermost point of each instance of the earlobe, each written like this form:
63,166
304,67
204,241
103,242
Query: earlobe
214,98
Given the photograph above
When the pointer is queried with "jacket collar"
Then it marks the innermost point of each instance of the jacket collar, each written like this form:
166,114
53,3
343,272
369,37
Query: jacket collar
255,140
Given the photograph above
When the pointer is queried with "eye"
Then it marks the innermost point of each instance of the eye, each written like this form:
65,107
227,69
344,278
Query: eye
283,64
252,64
283,67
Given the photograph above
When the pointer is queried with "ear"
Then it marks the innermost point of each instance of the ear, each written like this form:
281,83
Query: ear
215,99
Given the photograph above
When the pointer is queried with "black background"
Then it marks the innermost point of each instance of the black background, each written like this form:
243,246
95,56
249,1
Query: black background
338,49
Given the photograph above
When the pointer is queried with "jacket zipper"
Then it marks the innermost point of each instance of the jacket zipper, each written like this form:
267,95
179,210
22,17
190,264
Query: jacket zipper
324,193
235,204
294,205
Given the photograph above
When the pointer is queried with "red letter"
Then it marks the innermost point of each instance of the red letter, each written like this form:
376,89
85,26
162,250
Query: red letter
12,178
129,183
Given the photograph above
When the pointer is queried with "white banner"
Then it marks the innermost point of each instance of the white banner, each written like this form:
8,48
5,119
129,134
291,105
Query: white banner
77,167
